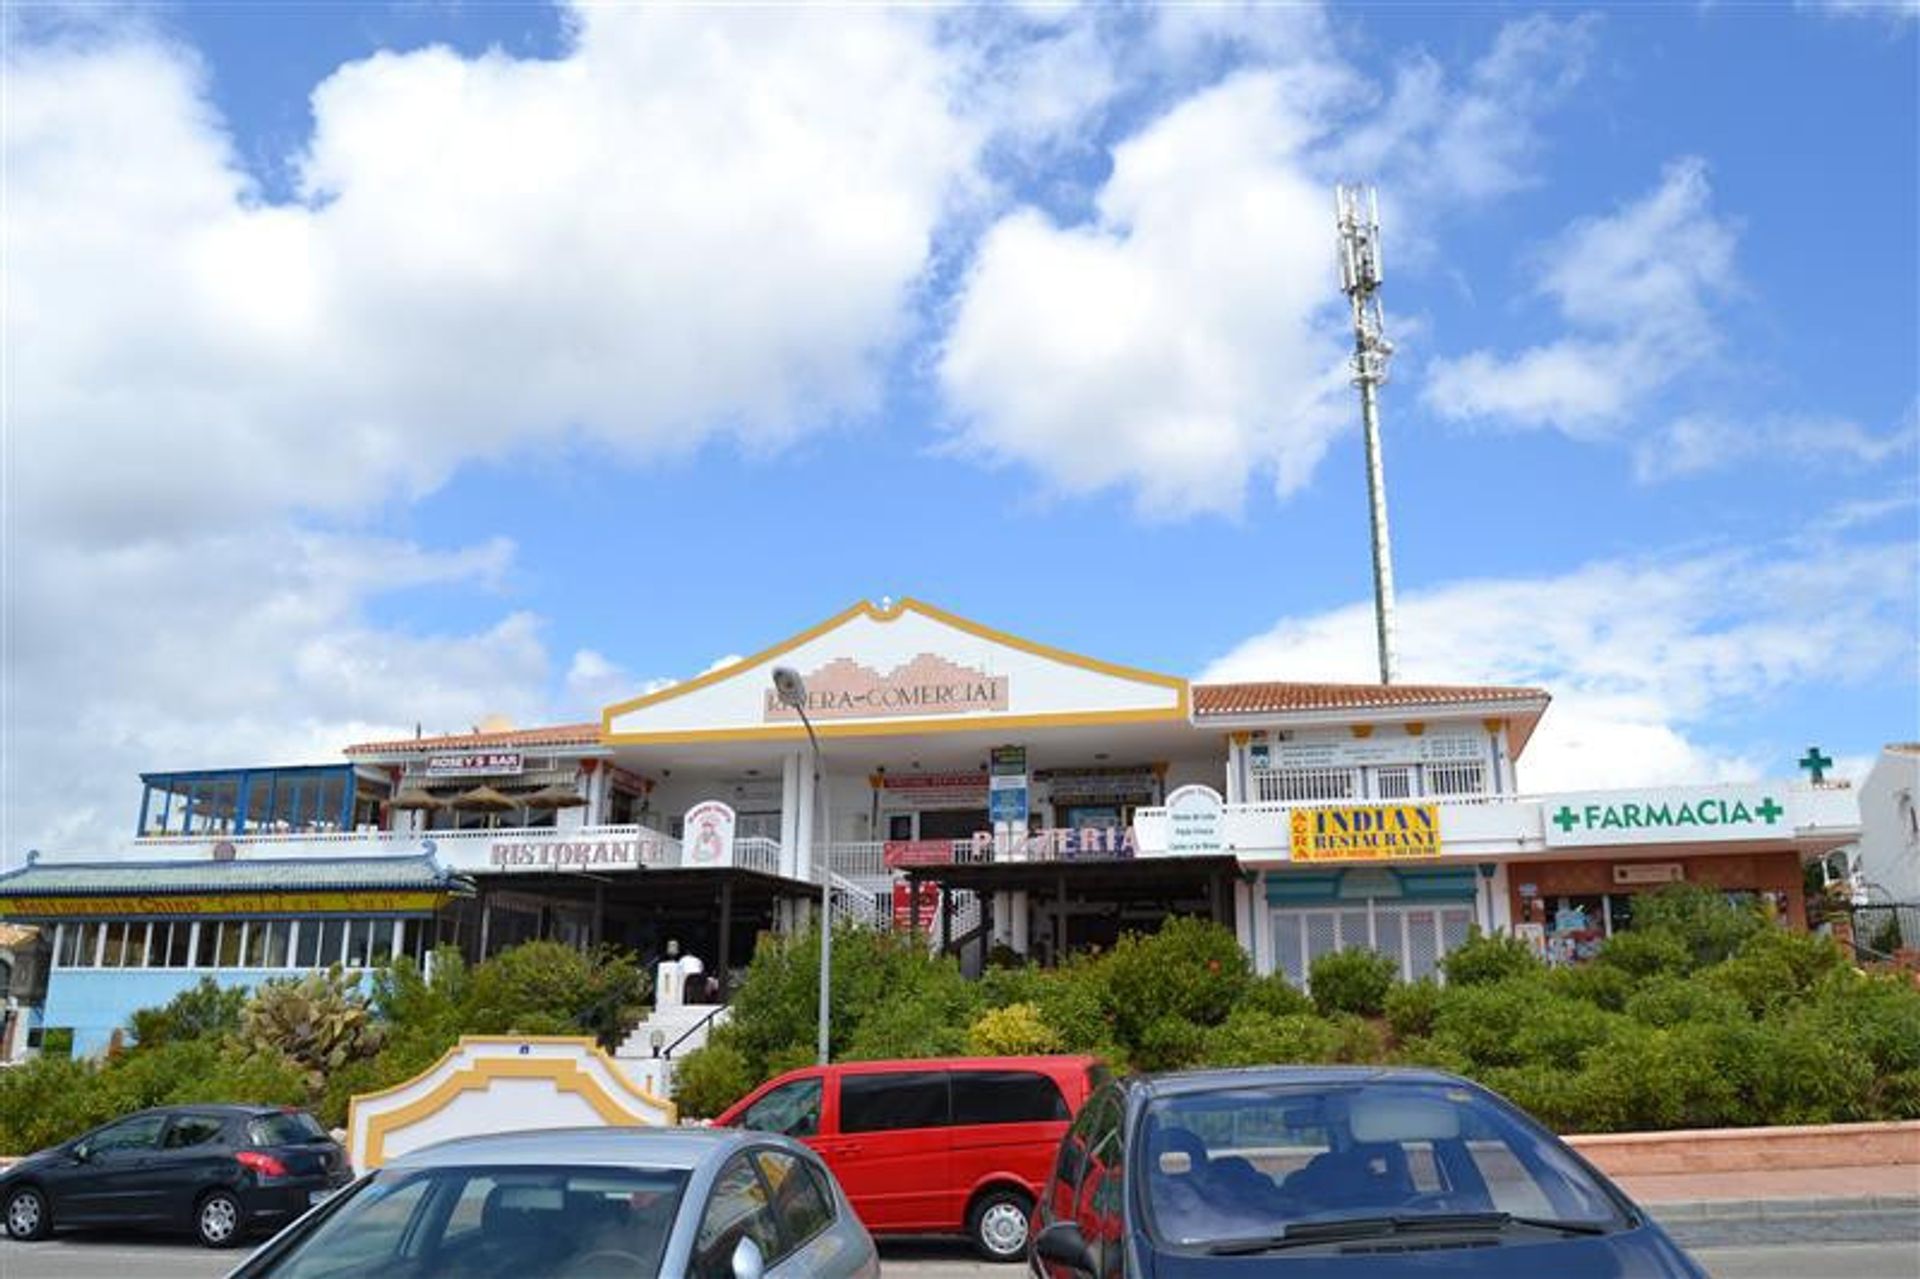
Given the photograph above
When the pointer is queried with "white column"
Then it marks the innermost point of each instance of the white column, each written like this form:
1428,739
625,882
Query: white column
792,769
1018,911
803,822
1236,755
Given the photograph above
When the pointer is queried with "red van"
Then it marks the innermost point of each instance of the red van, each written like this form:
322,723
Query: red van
957,1145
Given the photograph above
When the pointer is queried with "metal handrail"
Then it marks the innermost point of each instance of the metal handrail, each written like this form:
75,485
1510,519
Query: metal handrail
688,1033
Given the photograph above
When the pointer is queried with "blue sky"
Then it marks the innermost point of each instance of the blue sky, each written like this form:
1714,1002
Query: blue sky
392,363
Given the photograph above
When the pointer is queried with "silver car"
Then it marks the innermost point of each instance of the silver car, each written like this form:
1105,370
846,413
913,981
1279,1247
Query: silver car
580,1203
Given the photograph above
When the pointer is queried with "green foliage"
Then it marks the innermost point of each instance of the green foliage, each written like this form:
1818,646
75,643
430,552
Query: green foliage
1643,953
1016,1030
711,1078
1482,1022
1774,968
1677,1001
1701,918
1252,1038
1352,981
1410,1008
207,1011
319,1023
547,988
49,1099
1276,995
1600,984
1192,970
1483,960
1878,1014
1559,1032
1170,1043
57,1042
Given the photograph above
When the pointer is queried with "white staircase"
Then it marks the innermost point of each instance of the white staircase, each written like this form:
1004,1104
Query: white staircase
672,1030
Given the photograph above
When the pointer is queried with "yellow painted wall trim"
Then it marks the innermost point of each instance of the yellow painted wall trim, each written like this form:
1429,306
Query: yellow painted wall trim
1414,728
566,1076
1362,730
1493,725
869,610
1240,737
902,727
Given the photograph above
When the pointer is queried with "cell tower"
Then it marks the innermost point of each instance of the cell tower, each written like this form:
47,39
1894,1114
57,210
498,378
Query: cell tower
1357,213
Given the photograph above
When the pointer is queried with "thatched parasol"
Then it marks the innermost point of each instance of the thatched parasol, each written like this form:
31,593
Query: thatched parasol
486,798
413,797
555,796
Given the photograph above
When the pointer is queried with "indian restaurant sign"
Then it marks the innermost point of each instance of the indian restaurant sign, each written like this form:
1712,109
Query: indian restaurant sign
1366,833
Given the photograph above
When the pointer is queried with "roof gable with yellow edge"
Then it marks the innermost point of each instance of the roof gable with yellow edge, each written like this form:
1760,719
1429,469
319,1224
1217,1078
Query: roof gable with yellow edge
902,668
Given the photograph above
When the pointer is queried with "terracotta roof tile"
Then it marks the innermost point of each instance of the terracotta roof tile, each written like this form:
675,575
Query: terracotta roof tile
553,735
1275,697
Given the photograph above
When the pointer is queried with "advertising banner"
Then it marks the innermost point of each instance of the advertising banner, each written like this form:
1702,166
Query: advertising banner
1195,819
907,917
1366,833
896,853
708,834
132,906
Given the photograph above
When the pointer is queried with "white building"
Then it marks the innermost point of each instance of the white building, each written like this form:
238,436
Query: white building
976,786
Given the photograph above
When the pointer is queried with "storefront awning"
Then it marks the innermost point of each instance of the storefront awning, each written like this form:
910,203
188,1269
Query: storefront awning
358,885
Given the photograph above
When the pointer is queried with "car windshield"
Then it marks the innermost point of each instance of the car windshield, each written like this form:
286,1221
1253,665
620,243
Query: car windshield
289,1128
1249,1163
494,1223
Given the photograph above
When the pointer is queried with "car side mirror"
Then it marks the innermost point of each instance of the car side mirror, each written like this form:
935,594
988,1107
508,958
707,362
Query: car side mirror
81,1151
1064,1245
747,1261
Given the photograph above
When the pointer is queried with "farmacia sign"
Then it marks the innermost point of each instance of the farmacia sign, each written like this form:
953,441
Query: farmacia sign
1678,815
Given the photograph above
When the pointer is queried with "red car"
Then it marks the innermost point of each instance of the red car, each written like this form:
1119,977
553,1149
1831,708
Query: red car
957,1145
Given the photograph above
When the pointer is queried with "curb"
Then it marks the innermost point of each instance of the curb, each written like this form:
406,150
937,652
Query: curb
1859,1219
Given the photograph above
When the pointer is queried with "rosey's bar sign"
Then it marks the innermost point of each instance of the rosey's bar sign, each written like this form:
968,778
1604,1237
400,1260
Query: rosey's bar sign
476,764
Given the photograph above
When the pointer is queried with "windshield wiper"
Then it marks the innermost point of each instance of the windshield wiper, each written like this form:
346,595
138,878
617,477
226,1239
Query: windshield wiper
1304,1233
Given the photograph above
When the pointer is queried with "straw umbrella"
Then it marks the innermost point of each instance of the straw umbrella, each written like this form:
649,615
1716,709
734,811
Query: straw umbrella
555,796
486,799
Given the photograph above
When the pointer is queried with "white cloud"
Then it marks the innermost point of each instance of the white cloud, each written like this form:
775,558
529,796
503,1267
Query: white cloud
1637,289
1641,656
1188,338
1702,442
1892,10
698,222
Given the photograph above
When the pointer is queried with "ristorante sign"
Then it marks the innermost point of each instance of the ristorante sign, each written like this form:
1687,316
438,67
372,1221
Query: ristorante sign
1366,833
563,854
1681,815
928,685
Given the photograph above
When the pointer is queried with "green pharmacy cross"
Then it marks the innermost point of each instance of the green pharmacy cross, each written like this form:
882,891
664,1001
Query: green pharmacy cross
1816,764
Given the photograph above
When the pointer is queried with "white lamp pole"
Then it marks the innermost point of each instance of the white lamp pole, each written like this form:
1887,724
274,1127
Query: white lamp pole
792,691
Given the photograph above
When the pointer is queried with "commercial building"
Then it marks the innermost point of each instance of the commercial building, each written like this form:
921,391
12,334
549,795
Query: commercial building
978,787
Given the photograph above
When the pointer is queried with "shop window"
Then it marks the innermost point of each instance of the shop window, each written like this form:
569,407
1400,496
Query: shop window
135,955
260,803
381,950
275,944
256,948
331,941
233,936
207,954
116,941
330,799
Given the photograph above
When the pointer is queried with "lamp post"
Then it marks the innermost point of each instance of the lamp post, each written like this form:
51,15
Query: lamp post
792,691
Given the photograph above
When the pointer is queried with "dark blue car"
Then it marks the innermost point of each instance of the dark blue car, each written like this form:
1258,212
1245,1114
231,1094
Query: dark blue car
1310,1172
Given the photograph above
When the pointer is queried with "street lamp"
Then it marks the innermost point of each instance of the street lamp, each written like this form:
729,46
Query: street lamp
792,691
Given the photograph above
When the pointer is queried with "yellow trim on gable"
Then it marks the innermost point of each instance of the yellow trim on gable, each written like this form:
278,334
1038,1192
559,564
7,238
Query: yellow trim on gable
876,728
565,1075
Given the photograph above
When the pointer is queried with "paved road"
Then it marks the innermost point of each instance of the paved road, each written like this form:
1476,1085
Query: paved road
133,1257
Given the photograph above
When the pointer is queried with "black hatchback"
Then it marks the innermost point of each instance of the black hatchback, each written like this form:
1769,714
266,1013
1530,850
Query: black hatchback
219,1171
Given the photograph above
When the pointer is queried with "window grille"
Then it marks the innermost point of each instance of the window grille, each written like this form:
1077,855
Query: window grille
1293,785
1394,782
1457,779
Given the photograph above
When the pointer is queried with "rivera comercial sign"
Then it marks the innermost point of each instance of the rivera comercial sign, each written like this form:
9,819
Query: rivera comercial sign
1674,815
928,685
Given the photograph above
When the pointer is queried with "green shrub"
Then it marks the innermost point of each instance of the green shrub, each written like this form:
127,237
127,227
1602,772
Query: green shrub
1076,1001
547,988
57,1041
1352,981
206,1011
1560,1032
709,1079
1170,1043
1275,995
1483,960
1014,1031
1701,918
47,1100
1879,1014
1599,984
1676,1001
1482,1022
1249,1038
1805,1077
1423,1051
1192,970
1646,953
1359,1041
1410,1008
1653,1079
1549,1095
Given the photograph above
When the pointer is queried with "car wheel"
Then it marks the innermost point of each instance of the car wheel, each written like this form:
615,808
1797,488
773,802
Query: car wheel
998,1224
218,1219
27,1215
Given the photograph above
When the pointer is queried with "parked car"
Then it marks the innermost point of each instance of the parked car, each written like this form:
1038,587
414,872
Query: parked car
1309,1171
941,1146
581,1203
219,1171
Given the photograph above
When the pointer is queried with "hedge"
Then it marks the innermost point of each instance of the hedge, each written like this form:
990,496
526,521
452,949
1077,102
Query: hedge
1705,1014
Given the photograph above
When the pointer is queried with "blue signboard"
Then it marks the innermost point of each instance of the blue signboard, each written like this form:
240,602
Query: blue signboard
1008,804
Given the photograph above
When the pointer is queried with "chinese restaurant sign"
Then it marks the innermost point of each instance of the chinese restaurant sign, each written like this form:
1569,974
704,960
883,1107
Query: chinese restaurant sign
1366,833
1681,815
133,905
928,685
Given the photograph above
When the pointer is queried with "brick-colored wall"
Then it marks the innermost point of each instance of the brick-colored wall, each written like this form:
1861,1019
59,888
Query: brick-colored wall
1749,872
